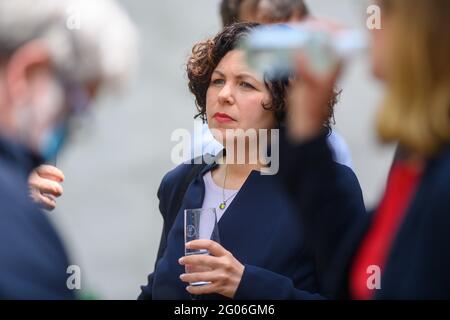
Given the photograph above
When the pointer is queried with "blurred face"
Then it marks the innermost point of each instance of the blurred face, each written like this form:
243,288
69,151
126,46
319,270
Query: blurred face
263,12
236,96
35,104
381,47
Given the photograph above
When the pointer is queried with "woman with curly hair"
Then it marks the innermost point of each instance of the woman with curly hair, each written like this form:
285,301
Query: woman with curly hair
262,253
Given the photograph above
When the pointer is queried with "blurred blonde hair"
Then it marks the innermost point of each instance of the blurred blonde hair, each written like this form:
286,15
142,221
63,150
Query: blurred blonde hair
416,110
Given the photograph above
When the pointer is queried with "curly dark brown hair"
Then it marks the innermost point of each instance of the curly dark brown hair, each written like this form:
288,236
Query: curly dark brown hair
207,55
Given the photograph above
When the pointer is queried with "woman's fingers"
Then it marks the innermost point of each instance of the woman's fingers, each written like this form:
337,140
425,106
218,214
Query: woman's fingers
195,268
201,260
213,247
303,71
308,76
208,276
47,202
225,274
50,172
45,186
204,289
309,100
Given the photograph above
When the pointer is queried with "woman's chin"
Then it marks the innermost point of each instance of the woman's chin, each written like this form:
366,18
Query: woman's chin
220,132
219,135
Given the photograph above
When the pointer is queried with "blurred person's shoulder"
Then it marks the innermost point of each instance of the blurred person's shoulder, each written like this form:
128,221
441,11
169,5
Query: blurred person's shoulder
439,168
18,213
176,174
347,180
432,207
176,178
13,192
339,147
34,260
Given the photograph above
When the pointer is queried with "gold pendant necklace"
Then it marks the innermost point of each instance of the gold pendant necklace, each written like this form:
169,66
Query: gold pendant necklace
223,204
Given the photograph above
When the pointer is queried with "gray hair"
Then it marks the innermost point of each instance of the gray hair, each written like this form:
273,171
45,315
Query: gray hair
88,40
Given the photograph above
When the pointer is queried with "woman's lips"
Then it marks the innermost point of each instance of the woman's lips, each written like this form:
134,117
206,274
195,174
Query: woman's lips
223,117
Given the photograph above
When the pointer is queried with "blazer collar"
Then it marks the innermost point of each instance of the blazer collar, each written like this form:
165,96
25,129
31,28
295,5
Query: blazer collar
19,156
247,199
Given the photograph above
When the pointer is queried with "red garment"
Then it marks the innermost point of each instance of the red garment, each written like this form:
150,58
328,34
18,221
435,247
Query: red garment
377,243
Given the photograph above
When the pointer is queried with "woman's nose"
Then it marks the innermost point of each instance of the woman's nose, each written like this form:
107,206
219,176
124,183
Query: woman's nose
226,95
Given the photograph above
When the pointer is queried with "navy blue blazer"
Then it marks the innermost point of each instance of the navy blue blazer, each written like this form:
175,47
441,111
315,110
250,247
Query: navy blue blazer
261,228
33,262
418,265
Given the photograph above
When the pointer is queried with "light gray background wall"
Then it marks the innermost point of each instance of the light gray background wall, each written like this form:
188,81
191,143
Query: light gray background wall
109,214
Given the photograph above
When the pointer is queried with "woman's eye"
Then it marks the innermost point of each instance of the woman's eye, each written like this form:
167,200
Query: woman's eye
217,81
247,85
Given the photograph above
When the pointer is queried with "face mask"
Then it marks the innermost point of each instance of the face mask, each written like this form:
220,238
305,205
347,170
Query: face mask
31,117
78,101
54,138
53,142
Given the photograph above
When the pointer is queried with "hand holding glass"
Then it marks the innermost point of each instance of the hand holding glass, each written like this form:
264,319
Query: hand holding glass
199,224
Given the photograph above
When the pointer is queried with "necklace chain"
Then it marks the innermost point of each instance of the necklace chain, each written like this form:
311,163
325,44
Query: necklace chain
223,204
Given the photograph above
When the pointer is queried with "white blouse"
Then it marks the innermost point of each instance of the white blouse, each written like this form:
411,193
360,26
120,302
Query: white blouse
214,195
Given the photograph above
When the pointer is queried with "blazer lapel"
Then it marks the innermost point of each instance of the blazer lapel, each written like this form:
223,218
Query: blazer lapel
195,193
248,221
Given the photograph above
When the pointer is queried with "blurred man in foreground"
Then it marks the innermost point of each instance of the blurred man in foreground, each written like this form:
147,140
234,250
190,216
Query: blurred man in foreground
55,55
